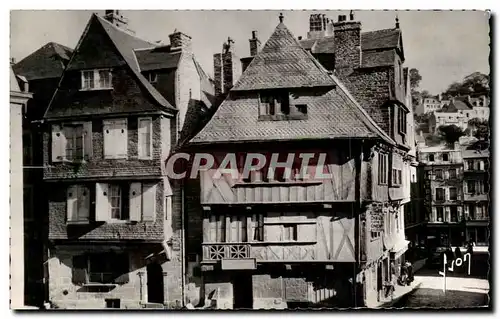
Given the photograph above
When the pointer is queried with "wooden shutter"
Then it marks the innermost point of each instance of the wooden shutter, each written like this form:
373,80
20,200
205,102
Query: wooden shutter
102,207
145,126
481,165
148,202
87,140
120,128
58,144
121,268
135,197
83,203
72,203
108,136
79,270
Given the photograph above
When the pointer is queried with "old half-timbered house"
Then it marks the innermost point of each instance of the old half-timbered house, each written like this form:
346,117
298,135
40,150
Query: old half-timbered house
272,240
114,218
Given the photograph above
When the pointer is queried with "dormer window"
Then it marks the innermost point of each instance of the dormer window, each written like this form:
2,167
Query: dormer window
96,79
280,105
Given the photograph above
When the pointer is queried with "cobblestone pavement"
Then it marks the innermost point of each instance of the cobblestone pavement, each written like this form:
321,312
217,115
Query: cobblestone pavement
460,293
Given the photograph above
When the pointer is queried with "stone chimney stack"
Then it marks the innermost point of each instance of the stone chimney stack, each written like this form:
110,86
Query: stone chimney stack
319,26
227,68
347,37
254,44
179,41
114,17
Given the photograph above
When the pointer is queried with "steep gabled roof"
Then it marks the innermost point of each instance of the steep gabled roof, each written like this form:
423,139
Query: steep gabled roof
282,63
332,112
380,39
454,106
126,44
157,58
48,61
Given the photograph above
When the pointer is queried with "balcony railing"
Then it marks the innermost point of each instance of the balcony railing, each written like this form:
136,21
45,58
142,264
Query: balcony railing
260,251
226,251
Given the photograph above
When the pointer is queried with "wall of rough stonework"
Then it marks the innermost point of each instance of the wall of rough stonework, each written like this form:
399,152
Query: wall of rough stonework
347,47
97,166
63,293
58,229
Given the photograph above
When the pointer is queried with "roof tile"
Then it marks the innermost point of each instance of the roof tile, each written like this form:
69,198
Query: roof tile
47,62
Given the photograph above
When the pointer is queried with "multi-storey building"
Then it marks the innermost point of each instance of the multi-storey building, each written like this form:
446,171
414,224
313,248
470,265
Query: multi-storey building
115,220
19,98
272,241
476,200
443,174
40,72
431,104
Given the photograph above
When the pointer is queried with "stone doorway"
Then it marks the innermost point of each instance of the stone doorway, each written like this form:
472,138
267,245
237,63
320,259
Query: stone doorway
155,283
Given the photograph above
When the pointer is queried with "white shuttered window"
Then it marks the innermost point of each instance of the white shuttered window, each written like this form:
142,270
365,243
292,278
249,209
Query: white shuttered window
77,203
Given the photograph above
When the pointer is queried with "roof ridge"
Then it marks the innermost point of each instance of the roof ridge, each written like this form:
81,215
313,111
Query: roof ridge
121,30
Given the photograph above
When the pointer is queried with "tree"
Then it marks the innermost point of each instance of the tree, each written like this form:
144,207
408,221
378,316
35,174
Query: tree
475,84
450,133
482,129
415,79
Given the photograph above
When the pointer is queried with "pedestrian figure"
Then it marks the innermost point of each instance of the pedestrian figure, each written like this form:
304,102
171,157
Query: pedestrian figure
409,270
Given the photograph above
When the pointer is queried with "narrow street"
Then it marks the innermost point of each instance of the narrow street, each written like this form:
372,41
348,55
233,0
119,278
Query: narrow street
462,291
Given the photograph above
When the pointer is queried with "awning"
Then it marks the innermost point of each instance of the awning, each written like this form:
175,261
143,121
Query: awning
399,248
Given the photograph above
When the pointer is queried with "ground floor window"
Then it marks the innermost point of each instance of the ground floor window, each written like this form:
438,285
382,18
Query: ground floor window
102,268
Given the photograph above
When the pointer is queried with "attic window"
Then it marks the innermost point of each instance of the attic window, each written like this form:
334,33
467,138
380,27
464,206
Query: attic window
275,105
96,79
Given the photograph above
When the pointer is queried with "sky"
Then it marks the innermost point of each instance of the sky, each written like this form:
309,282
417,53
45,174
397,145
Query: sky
445,46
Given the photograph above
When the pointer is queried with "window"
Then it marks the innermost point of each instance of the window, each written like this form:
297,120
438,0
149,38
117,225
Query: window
401,120
445,157
77,203
72,141
290,232
301,108
115,138
113,303
276,102
439,174
396,177
145,138
471,187
440,194
237,229
453,193
454,214
101,268
125,202
453,173
440,214
431,157
96,79
382,168
470,165
375,235
115,201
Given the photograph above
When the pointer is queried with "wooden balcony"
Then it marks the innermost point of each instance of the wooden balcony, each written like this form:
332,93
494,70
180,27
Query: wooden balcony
261,252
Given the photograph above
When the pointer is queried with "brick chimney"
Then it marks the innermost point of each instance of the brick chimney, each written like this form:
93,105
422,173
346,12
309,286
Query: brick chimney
319,26
347,37
254,44
179,41
227,68
114,17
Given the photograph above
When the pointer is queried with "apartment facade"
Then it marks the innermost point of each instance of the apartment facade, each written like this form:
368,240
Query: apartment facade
476,187
443,176
115,219
274,241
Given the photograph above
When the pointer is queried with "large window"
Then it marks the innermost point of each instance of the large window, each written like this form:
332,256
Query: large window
453,173
453,193
439,214
446,157
440,194
454,214
471,187
102,268
439,174
401,120
74,142
77,203
145,138
382,168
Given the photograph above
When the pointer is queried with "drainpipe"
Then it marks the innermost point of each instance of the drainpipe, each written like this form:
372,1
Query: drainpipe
357,233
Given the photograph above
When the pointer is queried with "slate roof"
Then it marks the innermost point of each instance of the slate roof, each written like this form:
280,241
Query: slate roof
371,59
282,63
14,86
320,45
126,44
380,39
454,106
331,115
47,62
157,58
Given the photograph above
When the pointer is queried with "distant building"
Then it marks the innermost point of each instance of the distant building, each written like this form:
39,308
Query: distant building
431,104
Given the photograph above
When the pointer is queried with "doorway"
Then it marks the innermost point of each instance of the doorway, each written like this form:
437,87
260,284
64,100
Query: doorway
155,283
242,291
